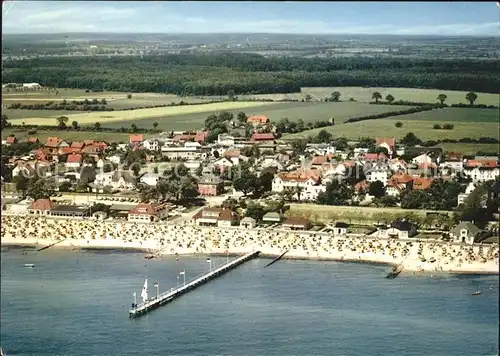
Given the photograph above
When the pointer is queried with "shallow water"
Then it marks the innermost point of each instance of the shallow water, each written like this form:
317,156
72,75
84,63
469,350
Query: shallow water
76,303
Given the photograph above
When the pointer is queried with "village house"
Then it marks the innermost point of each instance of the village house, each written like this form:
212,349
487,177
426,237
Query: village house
74,161
223,164
234,156
397,184
150,179
33,139
388,143
271,218
70,211
116,159
296,223
210,185
304,185
190,151
136,140
262,138
320,149
422,159
117,180
248,222
55,142
11,140
360,152
257,120
462,196
453,161
340,228
41,207
215,217
148,212
225,140
481,170
400,230
152,145
377,172
398,165
465,232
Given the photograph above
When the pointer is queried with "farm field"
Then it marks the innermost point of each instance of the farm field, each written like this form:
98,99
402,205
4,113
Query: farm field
470,148
19,114
385,127
421,95
452,115
350,214
193,116
135,116
42,135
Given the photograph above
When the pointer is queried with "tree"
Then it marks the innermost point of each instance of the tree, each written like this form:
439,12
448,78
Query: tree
308,97
265,181
199,170
299,146
442,97
255,210
21,182
41,188
336,193
376,96
155,125
64,187
97,126
246,182
134,127
61,122
241,117
74,124
324,136
411,140
129,96
471,97
231,95
398,124
5,123
376,189
437,127
336,96
389,98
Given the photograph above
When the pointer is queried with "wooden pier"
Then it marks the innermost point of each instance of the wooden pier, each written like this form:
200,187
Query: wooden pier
166,297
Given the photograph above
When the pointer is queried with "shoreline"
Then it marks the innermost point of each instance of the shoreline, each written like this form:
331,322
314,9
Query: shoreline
160,239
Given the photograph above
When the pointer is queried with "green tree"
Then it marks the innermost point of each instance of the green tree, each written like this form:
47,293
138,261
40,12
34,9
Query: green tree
398,124
376,189
442,97
5,122
336,96
199,171
129,96
246,182
155,125
21,182
41,188
411,140
231,95
255,210
61,122
299,146
376,96
308,97
231,204
336,193
134,127
324,136
389,98
241,117
471,97
97,126
74,124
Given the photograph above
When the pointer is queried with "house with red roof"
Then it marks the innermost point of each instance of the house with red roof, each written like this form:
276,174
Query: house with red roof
421,183
215,217
11,140
41,207
388,143
210,186
74,160
148,212
262,138
33,139
305,185
136,139
257,120
55,142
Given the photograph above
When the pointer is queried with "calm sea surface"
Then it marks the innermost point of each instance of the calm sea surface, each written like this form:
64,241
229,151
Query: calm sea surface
76,303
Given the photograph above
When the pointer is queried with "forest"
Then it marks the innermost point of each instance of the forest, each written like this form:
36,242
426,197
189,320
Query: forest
220,74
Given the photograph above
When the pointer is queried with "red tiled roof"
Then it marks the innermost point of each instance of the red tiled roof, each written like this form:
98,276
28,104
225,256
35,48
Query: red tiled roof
262,137
146,209
68,150
296,221
76,144
424,165
136,138
299,176
453,156
421,183
258,119
11,139
74,158
53,142
481,163
201,136
94,148
32,139
231,153
391,142
42,204
88,142
318,160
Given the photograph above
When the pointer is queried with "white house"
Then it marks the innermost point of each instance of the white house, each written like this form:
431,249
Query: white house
121,180
422,159
190,150
147,212
150,179
360,151
377,172
74,161
152,145
116,159
481,174
225,140
465,232
462,196
304,187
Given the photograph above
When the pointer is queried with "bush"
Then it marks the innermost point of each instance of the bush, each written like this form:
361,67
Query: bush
448,127
398,124
437,127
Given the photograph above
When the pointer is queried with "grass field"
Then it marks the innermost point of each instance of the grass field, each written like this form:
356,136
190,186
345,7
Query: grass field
473,123
469,148
70,135
193,116
326,213
421,95
19,114
135,116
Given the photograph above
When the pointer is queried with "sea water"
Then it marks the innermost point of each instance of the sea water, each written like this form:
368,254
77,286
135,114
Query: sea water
77,302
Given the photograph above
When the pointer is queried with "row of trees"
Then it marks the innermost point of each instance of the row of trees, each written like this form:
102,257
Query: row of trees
220,74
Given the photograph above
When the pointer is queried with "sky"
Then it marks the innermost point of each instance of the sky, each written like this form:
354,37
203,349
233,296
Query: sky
403,18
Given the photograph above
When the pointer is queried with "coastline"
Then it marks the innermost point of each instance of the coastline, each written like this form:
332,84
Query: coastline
161,239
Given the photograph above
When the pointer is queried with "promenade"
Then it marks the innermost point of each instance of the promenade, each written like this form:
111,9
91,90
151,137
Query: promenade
190,239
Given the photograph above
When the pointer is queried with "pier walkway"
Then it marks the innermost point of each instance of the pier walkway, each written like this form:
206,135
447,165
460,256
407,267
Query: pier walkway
167,297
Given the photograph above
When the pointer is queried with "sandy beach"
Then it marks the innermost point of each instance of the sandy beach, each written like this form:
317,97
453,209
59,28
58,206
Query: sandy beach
416,256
